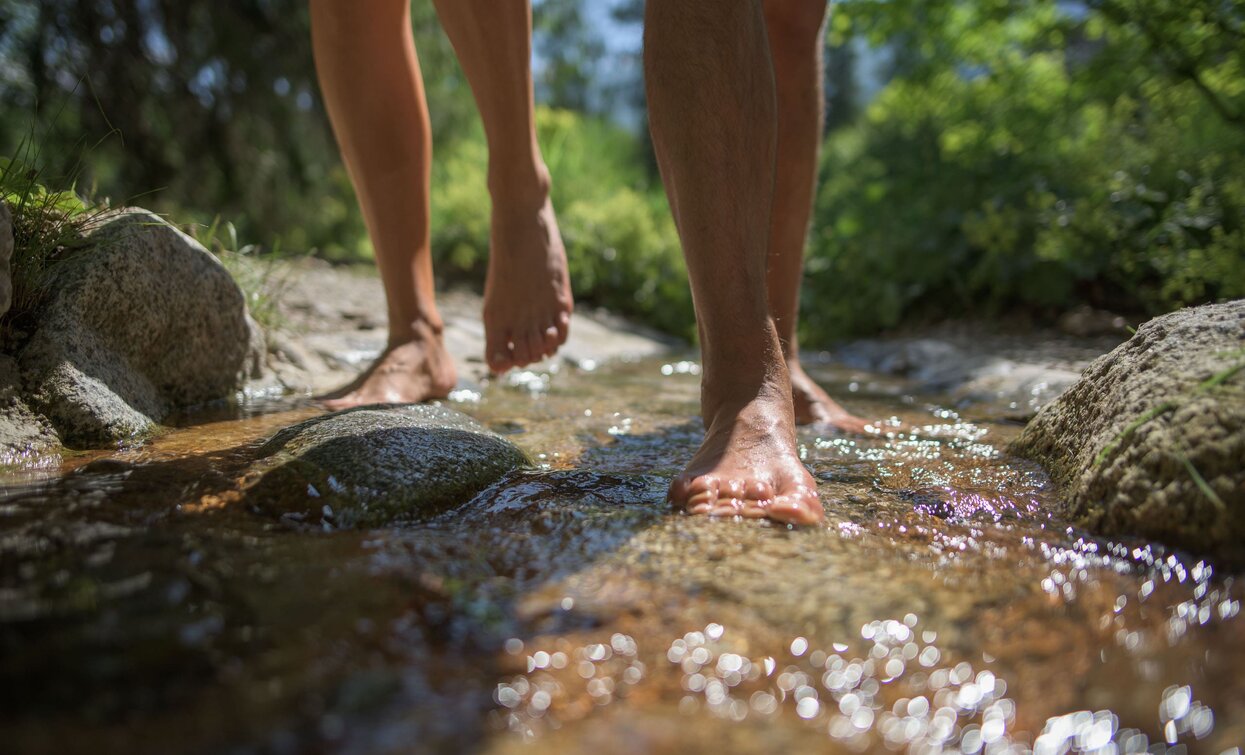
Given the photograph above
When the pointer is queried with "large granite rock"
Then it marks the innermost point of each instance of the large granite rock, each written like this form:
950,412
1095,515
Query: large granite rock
141,322
25,437
6,254
1151,441
375,464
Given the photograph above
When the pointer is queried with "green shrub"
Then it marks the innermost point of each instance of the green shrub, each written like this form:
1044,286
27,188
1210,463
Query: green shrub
1007,173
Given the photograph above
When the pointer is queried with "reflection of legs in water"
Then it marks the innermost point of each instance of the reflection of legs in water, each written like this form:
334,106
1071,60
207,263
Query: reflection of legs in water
371,83
795,30
372,88
712,112
527,297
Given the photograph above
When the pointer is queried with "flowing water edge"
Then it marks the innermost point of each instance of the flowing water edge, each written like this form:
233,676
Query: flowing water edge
942,606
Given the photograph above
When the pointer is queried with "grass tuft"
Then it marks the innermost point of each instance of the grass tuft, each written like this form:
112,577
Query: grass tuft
254,270
48,224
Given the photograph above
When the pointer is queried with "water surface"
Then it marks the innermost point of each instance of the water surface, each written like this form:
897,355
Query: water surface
942,606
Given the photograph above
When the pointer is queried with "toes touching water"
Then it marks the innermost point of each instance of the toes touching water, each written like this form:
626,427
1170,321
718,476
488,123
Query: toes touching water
748,465
416,370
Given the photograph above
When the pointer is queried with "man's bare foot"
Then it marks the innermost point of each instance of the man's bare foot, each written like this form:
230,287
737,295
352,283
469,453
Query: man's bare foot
527,293
416,370
813,406
748,464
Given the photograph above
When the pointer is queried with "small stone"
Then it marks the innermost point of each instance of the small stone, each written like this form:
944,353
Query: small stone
375,464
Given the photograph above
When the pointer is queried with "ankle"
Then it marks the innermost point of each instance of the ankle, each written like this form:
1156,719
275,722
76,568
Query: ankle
525,185
422,330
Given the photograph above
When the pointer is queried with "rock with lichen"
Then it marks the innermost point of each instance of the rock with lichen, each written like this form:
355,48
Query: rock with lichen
1151,440
139,321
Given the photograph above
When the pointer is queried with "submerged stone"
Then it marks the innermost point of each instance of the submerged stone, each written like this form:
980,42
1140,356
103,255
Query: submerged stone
1151,441
375,464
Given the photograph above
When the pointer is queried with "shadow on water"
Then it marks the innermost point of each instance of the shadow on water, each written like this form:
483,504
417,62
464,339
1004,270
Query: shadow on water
144,607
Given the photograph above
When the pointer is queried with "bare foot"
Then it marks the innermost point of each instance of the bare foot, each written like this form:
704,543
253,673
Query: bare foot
527,293
813,406
408,372
748,464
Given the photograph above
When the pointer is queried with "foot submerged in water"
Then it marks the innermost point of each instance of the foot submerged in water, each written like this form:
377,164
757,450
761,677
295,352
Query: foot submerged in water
407,372
813,406
748,464
527,293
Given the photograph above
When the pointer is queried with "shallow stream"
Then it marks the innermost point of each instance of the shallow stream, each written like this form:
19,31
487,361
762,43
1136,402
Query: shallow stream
144,608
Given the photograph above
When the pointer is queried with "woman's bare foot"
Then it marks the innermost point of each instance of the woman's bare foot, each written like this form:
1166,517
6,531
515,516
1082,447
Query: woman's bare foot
408,372
748,464
813,406
527,293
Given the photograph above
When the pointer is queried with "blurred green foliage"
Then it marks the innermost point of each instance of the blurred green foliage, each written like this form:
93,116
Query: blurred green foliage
1031,156
1015,155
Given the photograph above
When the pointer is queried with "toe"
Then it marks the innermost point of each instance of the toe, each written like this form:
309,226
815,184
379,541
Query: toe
800,506
756,490
497,353
551,341
535,345
698,495
520,352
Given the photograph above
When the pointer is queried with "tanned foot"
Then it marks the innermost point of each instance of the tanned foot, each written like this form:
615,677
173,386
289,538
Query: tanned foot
527,293
813,406
748,464
408,372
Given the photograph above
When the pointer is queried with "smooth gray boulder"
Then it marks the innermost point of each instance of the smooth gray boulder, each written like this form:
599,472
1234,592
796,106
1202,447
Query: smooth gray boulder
6,256
1151,440
140,322
376,464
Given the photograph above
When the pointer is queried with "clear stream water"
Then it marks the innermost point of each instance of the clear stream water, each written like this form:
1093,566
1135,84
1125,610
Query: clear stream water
942,606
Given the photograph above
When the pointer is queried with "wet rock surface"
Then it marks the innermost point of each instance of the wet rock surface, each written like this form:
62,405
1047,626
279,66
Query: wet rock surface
378,464
1151,441
1011,374
141,322
146,607
25,437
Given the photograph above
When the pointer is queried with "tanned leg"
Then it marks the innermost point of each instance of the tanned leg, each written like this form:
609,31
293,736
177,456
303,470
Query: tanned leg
711,106
527,294
370,79
795,31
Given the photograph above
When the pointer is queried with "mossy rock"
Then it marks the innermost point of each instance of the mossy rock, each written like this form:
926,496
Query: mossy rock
1151,440
372,465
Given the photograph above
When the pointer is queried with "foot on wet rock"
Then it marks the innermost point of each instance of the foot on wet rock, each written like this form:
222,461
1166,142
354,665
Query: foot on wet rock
748,464
405,373
527,293
813,406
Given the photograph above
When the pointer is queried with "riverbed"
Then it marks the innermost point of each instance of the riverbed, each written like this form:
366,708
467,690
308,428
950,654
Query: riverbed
144,607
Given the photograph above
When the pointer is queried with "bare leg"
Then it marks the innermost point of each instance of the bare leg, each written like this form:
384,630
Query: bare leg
527,295
369,75
795,30
712,113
